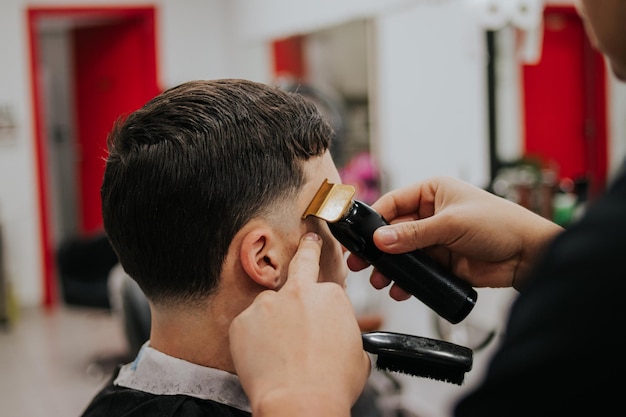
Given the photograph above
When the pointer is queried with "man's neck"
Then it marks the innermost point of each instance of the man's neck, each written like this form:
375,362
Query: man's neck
193,336
199,334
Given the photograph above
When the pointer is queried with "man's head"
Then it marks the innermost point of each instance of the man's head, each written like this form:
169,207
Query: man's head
605,23
211,164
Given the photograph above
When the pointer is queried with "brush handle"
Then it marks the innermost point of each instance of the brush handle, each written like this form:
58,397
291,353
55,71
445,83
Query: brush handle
415,272
418,349
419,356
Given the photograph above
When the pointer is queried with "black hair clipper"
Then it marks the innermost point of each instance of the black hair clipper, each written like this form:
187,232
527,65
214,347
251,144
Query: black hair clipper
353,223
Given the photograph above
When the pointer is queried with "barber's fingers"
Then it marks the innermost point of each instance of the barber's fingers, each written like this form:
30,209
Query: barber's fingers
417,234
379,281
356,263
409,202
408,236
305,265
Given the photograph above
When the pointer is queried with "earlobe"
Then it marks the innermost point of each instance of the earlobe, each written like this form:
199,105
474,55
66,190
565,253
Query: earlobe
259,257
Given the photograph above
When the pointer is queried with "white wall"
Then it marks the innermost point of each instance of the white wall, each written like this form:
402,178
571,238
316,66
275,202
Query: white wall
269,19
200,40
18,198
617,124
431,94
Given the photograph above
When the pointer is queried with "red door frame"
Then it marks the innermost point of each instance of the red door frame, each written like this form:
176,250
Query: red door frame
34,16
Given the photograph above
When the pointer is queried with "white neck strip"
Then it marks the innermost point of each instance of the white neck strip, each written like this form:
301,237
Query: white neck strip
157,373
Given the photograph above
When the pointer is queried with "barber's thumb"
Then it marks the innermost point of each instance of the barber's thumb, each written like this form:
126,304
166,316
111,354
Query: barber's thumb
404,237
304,265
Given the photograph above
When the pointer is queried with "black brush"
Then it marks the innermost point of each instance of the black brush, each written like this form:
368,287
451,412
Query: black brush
419,356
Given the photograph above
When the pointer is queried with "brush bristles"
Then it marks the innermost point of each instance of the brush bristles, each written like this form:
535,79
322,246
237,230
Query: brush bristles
421,369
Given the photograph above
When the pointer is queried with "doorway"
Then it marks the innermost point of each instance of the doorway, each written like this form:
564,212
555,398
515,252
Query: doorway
88,67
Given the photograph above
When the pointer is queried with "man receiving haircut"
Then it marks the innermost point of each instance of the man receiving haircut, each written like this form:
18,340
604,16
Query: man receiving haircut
202,198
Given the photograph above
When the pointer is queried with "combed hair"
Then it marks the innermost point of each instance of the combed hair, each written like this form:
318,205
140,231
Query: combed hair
186,171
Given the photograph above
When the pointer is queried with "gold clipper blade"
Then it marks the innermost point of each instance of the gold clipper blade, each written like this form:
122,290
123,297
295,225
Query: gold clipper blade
330,202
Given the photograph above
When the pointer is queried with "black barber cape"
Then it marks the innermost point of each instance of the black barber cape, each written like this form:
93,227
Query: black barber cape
561,353
158,385
114,401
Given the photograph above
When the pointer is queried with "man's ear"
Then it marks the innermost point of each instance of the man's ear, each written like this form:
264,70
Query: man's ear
260,257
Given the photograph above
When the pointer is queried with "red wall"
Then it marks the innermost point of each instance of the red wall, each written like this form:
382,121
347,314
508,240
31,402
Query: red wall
565,103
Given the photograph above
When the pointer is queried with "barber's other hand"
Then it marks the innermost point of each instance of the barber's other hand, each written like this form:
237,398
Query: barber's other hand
482,238
298,350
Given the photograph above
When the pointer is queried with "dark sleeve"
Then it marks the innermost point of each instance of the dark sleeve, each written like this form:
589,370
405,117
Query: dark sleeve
114,401
560,353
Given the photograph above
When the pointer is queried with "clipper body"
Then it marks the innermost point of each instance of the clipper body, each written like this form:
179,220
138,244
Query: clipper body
415,272
353,223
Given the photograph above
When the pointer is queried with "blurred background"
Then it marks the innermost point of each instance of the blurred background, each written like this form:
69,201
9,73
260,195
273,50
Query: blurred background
506,94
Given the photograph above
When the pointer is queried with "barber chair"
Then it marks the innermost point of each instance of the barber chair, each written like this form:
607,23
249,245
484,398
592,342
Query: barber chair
84,264
133,309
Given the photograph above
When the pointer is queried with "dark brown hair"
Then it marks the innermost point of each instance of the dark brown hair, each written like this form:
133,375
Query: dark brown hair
186,171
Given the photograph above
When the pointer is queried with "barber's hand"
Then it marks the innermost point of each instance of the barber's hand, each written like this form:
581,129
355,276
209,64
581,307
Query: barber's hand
298,350
482,238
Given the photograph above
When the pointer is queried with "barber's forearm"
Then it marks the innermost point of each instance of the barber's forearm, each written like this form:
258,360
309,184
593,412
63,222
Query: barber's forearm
539,233
302,403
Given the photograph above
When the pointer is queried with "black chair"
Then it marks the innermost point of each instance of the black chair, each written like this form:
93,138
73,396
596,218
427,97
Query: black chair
135,313
84,264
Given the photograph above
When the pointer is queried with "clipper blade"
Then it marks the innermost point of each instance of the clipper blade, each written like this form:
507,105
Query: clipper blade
330,202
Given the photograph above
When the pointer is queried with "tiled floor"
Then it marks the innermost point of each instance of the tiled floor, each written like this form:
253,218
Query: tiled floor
53,362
